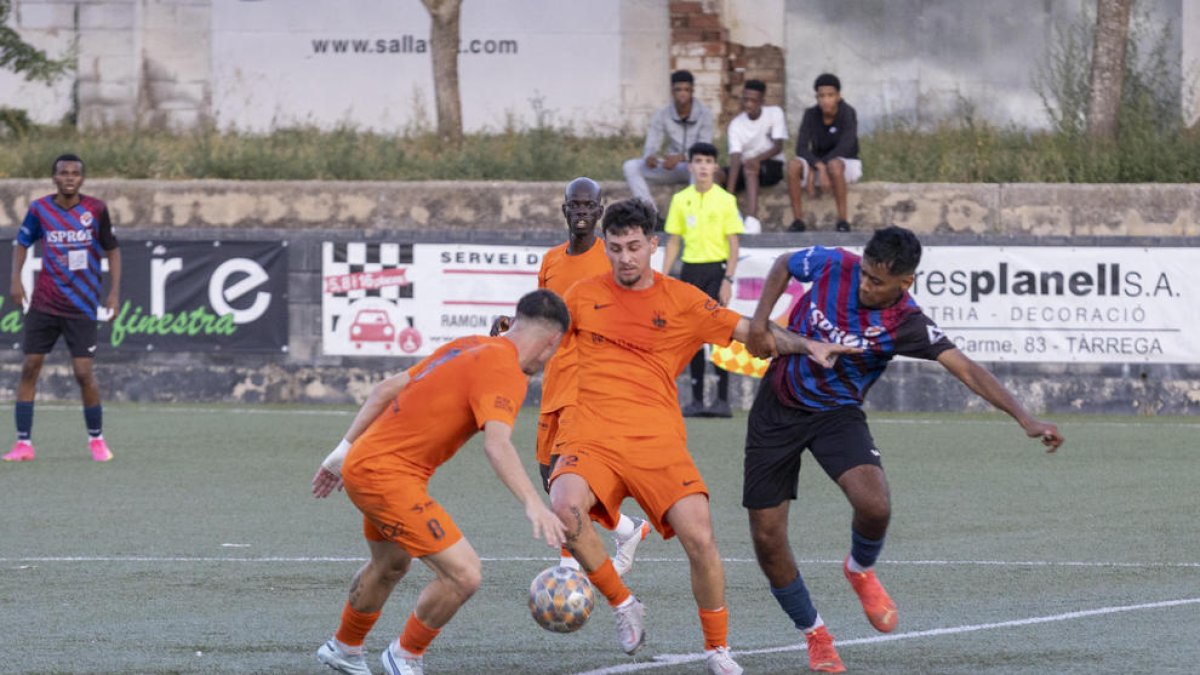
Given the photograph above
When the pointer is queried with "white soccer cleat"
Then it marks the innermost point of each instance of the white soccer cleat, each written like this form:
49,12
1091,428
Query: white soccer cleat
752,225
404,664
344,662
623,558
631,629
720,662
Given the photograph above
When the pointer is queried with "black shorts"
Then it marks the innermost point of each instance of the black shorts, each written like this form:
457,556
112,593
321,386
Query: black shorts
546,470
705,276
777,435
770,172
42,331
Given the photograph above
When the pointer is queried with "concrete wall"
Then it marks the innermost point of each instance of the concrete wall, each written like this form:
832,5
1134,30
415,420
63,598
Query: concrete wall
516,209
598,66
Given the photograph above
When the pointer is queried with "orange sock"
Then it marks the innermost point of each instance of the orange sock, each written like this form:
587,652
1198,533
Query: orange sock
355,626
607,581
416,636
715,625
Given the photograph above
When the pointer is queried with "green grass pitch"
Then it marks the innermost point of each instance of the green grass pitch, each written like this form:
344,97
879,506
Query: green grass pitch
200,550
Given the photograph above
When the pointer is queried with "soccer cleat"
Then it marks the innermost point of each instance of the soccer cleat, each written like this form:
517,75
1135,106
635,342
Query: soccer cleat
402,665
100,451
21,452
351,664
623,559
752,225
842,226
822,657
876,603
631,632
720,662
797,225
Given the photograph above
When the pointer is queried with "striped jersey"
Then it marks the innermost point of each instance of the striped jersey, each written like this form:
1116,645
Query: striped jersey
829,312
73,244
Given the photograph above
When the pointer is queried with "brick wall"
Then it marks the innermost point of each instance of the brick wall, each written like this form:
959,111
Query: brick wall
700,43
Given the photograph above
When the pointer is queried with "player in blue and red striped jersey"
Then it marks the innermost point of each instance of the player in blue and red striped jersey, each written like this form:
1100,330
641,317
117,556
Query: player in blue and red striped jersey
862,302
76,233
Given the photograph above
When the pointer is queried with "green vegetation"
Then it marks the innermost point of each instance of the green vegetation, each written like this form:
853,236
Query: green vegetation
964,151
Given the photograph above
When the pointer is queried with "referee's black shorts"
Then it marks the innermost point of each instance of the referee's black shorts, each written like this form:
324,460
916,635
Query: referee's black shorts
705,276
42,331
777,435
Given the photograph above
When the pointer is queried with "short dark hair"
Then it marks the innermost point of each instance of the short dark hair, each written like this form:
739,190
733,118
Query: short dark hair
682,76
544,305
756,85
896,248
65,158
827,80
702,148
629,214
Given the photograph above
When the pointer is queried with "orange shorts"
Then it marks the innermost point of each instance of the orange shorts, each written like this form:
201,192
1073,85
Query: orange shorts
550,434
398,509
656,472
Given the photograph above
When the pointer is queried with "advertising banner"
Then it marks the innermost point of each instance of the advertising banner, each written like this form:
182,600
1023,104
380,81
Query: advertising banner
185,296
1014,304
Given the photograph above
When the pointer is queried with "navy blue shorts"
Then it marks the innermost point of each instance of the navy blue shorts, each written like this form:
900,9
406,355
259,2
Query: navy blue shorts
43,330
777,436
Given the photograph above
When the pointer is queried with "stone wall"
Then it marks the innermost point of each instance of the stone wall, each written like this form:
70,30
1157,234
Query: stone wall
516,209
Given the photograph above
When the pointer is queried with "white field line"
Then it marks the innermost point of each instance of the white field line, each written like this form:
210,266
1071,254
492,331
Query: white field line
521,559
169,409
664,660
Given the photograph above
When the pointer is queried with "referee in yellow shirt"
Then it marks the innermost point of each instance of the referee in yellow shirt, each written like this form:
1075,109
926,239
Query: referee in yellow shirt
704,222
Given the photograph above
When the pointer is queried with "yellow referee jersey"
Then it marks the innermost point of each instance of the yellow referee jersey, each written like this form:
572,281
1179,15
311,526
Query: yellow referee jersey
704,220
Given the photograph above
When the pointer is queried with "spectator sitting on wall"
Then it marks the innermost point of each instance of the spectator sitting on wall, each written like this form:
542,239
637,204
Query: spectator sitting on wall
756,157
826,151
681,123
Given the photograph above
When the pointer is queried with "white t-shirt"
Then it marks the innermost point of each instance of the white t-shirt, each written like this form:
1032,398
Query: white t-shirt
754,137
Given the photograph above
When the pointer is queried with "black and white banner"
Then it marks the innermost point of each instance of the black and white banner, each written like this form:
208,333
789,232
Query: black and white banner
185,296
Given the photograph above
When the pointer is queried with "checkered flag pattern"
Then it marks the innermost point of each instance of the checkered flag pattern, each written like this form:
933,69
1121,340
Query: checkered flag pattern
737,359
358,257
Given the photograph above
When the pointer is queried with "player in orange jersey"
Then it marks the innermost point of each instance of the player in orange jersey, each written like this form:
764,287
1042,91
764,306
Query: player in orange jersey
582,257
411,424
634,331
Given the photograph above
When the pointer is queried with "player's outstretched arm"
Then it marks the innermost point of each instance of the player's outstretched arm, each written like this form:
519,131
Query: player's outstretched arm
983,383
784,341
329,474
497,444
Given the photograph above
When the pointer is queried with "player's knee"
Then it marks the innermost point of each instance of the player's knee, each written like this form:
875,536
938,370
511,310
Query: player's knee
393,570
837,169
795,169
467,580
632,167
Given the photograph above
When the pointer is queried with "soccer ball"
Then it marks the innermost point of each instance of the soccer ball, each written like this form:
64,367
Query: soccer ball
561,599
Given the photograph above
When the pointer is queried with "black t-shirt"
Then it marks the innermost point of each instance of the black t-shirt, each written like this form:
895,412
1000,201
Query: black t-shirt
820,142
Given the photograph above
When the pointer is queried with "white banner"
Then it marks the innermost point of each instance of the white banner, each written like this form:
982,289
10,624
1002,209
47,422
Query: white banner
1015,304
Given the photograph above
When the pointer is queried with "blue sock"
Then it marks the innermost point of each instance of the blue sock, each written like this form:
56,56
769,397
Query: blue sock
794,600
92,417
864,551
23,412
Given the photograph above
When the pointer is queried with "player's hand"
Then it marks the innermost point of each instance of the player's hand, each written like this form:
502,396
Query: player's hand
324,482
827,353
651,162
500,325
1047,432
546,525
760,341
726,293
17,294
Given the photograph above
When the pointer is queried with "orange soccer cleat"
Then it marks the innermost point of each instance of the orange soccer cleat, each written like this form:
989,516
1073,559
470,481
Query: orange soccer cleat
822,657
876,603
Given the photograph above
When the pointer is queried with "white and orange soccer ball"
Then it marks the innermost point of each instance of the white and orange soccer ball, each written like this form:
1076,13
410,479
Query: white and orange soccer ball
561,599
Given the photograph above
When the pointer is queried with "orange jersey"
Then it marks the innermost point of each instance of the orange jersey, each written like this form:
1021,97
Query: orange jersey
631,345
452,394
559,272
